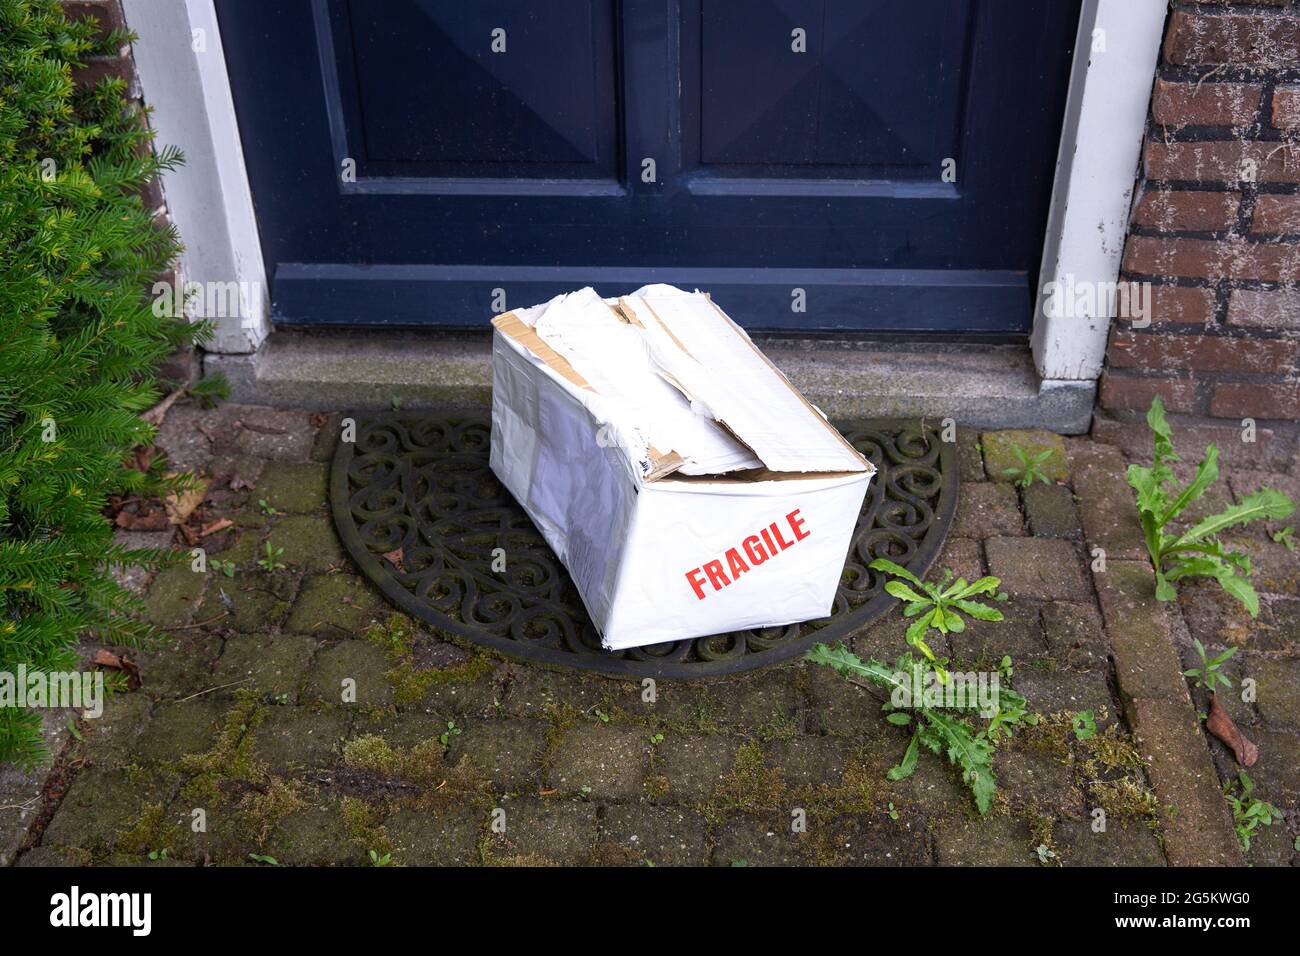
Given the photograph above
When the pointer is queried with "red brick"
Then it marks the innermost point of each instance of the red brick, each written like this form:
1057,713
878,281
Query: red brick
1166,351
1222,162
1213,258
1176,210
1251,308
1205,104
1276,214
97,68
1256,400
1180,303
1286,107
107,12
1245,38
1123,391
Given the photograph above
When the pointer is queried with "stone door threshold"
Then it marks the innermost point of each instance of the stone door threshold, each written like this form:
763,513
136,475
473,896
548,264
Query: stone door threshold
980,386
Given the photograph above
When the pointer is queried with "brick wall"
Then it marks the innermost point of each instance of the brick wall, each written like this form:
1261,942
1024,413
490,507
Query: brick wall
182,366
1216,222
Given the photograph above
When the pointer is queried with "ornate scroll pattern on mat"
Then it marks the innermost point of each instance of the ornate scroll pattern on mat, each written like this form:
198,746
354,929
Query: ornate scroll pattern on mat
419,483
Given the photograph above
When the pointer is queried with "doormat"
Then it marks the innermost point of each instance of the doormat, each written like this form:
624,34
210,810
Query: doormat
425,519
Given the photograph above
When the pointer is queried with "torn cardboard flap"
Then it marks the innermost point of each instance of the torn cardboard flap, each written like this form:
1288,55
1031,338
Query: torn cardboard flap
679,386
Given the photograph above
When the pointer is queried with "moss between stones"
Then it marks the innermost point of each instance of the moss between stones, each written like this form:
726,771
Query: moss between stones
231,757
750,785
150,833
396,635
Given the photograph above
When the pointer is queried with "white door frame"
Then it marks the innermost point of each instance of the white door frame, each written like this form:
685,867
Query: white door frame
182,71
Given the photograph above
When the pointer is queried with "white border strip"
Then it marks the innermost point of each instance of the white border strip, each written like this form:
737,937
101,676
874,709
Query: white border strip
182,70
1101,143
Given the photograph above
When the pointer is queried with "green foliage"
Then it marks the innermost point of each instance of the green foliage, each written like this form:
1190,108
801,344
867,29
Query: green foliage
1248,812
78,341
1084,725
942,731
270,561
937,606
1207,675
1196,551
1029,470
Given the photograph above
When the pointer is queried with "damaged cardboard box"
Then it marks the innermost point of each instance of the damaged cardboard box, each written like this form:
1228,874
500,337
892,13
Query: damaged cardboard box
683,481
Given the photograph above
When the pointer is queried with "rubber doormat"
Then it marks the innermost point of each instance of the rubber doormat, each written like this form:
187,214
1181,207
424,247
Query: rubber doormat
422,515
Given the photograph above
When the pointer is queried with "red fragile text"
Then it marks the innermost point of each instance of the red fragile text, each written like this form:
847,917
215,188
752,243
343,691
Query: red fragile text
752,552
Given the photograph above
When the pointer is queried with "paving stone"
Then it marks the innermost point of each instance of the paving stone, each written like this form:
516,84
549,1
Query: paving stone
1019,634
1122,843
478,697
1051,511
1273,569
1050,691
98,807
290,738
174,596
694,766
258,606
1038,568
970,457
1074,635
334,605
1199,831
507,751
885,639
178,666
445,837
268,665
808,763
362,663
277,434
1000,456
843,709
309,542
136,579
1031,778
1278,628
602,760
556,831
181,436
963,556
41,856
1275,774
534,692
1272,846
987,509
297,488
1213,615
758,840
934,789
1278,690
988,841
327,438
1135,441
110,739
664,836
749,701
1146,663
858,840
179,728
314,836
402,729
1107,508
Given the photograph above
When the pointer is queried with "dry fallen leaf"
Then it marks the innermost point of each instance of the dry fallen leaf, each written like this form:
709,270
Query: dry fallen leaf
121,663
149,521
1220,724
221,524
394,558
180,505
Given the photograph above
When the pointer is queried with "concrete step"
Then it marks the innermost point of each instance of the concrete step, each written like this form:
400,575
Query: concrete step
986,386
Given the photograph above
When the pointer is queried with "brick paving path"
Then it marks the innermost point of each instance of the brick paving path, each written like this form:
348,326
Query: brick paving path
240,723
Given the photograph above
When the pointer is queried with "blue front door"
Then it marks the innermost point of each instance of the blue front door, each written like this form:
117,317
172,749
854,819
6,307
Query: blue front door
818,165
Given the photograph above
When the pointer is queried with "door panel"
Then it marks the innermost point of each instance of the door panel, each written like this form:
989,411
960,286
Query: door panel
774,170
